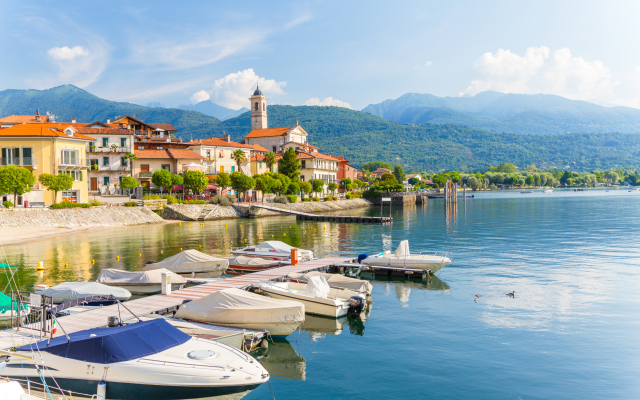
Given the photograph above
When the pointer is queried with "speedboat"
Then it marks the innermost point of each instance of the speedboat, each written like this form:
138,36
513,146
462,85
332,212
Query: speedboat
336,281
69,291
243,265
142,282
403,259
316,295
240,309
190,262
272,250
139,361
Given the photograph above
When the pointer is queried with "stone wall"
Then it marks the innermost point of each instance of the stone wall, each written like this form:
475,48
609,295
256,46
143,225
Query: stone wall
72,217
190,212
155,205
320,206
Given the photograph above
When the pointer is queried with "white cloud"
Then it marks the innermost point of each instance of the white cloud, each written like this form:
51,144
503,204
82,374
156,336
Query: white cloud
197,97
233,90
298,20
66,53
328,101
538,72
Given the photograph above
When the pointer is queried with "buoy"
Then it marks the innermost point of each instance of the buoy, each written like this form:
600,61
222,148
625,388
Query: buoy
284,234
325,227
161,251
225,225
289,226
139,254
102,390
117,258
271,235
189,223
66,265
93,261
200,245
40,266
179,223
180,248
245,240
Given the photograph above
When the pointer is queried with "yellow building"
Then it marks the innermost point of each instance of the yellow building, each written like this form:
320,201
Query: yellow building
48,149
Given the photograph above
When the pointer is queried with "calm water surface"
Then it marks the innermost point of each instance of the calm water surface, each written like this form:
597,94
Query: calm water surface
571,331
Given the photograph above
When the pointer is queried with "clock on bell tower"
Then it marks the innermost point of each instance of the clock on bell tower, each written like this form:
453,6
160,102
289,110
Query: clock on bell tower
258,110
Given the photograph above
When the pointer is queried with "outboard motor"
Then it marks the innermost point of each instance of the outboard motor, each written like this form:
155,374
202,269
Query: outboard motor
356,306
361,257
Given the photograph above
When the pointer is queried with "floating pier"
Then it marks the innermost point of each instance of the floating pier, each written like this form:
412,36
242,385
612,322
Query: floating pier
329,218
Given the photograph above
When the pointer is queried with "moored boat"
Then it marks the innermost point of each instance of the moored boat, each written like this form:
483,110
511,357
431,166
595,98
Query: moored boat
190,262
402,258
272,250
336,281
240,309
244,265
142,282
69,291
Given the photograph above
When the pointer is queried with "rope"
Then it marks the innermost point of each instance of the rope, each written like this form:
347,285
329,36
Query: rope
269,383
44,383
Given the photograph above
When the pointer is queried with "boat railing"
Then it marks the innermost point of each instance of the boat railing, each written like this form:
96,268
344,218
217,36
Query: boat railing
434,253
182,364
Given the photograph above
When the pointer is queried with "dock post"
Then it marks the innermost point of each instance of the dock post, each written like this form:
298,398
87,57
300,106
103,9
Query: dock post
166,283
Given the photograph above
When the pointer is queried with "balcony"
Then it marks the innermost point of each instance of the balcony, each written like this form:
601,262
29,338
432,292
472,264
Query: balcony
20,162
98,150
73,164
107,168
145,174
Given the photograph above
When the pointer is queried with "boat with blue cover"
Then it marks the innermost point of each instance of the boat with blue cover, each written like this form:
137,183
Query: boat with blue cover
144,360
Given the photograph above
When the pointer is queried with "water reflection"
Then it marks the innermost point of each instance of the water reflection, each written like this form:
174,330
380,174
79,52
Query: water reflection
430,283
281,360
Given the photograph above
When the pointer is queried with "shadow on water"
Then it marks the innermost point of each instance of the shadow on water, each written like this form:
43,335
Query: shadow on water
282,361
430,283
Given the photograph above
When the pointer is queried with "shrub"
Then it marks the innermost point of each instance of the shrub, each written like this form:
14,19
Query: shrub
130,204
306,199
170,199
292,198
223,201
7,204
231,199
151,197
335,198
68,204
83,205
194,202
316,199
327,198
94,203
281,199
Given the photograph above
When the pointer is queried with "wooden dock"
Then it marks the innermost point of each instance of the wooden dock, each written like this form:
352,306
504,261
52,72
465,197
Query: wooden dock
329,218
147,305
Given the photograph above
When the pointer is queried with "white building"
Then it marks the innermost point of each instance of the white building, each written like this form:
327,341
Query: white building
217,155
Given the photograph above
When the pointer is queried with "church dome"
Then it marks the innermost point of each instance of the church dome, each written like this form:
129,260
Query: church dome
258,92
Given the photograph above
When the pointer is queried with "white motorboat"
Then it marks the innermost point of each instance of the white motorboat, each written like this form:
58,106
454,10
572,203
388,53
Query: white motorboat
141,282
316,295
140,361
336,281
548,191
69,291
244,265
403,259
190,262
272,250
240,309
11,390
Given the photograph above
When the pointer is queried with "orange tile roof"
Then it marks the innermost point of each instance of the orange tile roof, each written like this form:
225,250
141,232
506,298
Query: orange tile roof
257,147
268,132
315,154
169,153
165,127
257,157
104,131
22,119
42,130
218,142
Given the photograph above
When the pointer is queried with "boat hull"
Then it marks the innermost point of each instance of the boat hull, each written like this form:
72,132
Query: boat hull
274,329
148,288
310,306
432,266
248,269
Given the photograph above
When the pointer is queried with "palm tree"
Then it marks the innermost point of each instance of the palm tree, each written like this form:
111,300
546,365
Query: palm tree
270,160
239,156
130,157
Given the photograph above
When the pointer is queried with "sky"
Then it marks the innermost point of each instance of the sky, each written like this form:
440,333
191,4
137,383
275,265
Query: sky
343,53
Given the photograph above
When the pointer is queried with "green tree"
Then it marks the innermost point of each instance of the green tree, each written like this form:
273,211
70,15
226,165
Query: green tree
332,186
294,188
358,183
529,180
388,179
265,184
398,171
283,183
222,181
414,181
289,164
129,157
305,187
344,182
127,183
241,182
16,180
239,156
195,181
270,159
473,183
56,183
176,180
317,185
161,178
374,165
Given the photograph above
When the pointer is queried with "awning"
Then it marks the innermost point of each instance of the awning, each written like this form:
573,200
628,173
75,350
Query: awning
177,188
212,187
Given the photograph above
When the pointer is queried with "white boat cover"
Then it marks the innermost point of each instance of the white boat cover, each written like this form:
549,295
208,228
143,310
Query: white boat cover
235,306
117,276
403,249
338,281
68,291
317,286
242,260
274,246
189,261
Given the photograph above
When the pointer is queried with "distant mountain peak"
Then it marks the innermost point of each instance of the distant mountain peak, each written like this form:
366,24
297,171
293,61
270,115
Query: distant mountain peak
208,107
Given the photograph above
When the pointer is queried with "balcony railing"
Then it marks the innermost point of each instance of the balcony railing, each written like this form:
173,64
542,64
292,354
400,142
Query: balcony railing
145,174
97,149
73,164
114,168
21,162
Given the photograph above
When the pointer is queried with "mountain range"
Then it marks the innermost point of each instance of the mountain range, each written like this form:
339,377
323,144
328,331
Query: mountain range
512,113
362,136
212,109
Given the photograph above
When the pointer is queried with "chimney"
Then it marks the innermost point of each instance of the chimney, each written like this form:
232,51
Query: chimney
73,120
226,138
37,118
108,120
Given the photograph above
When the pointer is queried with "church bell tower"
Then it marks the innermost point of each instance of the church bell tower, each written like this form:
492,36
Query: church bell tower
258,110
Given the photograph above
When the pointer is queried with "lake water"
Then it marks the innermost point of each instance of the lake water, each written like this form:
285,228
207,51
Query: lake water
571,331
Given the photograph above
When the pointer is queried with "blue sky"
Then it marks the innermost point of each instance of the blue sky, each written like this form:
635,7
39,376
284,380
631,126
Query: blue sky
348,53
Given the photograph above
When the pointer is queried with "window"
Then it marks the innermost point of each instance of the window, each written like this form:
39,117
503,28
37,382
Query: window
159,148
304,164
69,157
274,148
167,167
105,161
144,167
233,169
260,164
123,142
10,156
105,181
105,142
94,165
76,175
27,156
264,106
120,179
140,147
70,195
123,161
302,178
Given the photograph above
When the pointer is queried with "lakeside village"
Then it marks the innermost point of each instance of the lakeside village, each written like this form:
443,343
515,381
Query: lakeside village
87,163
